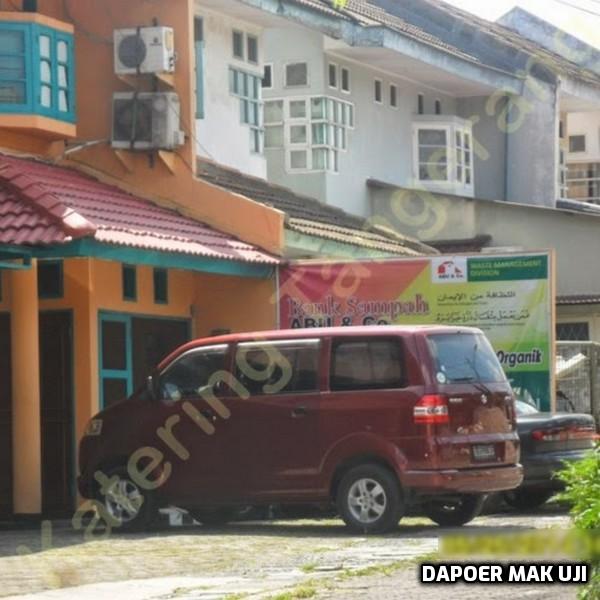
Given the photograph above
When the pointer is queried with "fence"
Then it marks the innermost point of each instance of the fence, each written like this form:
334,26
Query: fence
578,377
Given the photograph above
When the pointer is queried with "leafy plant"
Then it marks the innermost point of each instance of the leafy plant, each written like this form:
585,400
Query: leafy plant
582,491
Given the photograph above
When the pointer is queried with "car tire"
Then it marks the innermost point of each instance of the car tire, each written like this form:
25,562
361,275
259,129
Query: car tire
369,499
523,499
213,517
454,512
129,507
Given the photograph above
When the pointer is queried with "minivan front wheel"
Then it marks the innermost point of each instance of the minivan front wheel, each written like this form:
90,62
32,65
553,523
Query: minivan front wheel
130,507
456,511
369,499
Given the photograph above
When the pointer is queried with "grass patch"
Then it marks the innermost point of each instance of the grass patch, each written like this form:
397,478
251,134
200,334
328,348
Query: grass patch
312,587
309,568
304,590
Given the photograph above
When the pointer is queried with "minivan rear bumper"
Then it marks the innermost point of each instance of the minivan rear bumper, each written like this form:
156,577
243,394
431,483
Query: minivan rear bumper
467,481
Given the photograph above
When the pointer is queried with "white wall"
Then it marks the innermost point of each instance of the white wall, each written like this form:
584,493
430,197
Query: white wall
380,145
588,124
221,135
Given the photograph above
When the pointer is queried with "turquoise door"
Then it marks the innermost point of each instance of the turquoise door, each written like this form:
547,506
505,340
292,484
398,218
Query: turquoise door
116,373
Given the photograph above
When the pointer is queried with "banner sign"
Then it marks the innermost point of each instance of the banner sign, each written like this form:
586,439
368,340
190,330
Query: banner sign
507,296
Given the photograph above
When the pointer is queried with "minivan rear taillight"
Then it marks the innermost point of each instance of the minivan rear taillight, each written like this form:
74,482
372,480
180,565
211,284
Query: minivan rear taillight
431,410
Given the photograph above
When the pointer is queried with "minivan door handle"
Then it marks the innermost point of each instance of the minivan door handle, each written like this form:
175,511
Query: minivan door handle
299,411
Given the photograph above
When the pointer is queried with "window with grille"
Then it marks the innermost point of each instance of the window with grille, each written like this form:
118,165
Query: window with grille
573,332
583,182
248,88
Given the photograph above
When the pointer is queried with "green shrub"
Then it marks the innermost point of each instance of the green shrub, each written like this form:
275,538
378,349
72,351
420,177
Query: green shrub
582,492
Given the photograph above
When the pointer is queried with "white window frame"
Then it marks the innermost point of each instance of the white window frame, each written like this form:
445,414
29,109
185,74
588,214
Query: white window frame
257,128
243,57
562,174
393,86
456,155
274,124
247,43
347,70
285,74
573,183
337,76
271,67
380,82
585,144
338,119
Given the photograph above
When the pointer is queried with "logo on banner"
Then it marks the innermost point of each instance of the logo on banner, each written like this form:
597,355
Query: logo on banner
449,270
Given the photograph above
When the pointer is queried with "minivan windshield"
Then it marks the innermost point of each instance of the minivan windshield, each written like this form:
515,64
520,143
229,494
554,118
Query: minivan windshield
463,358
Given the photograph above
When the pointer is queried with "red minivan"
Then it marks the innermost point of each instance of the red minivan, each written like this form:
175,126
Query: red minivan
373,419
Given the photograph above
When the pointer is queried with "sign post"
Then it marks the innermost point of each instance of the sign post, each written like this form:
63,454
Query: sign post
508,296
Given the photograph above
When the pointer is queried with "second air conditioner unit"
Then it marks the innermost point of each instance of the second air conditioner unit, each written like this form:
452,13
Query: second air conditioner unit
147,121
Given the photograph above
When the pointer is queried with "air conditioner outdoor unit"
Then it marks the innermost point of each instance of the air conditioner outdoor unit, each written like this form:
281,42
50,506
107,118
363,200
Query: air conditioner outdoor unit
146,121
144,50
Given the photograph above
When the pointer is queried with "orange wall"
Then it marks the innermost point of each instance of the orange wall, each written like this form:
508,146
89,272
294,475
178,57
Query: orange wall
94,23
209,301
234,303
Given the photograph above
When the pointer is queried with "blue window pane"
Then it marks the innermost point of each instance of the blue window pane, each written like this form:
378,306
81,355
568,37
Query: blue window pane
12,42
12,67
12,92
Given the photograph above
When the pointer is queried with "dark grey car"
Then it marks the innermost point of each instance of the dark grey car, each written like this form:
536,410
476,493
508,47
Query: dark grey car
548,441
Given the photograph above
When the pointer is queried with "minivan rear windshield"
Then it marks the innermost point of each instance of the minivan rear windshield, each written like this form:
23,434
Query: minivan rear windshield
464,357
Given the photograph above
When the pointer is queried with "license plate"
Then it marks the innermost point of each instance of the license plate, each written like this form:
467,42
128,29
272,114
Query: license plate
484,452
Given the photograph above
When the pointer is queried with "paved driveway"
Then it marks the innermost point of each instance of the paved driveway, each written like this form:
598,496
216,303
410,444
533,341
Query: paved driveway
310,558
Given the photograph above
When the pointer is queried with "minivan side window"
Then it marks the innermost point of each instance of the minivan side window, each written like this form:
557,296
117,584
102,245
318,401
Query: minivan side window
189,375
288,367
367,365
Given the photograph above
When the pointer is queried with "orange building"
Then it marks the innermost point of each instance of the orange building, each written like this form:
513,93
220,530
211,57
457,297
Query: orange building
112,254
102,273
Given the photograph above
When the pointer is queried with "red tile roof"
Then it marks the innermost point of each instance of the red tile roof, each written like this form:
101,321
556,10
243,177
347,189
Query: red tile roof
42,204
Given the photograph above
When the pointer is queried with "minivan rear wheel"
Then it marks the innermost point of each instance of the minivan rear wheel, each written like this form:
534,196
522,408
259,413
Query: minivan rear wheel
130,507
454,512
369,499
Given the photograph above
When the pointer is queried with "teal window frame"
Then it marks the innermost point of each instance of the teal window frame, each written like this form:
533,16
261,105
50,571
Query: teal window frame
32,102
199,50
125,269
61,286
199,55
160,280
126,374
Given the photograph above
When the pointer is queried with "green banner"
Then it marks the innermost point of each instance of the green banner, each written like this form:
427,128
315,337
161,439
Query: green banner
508,269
